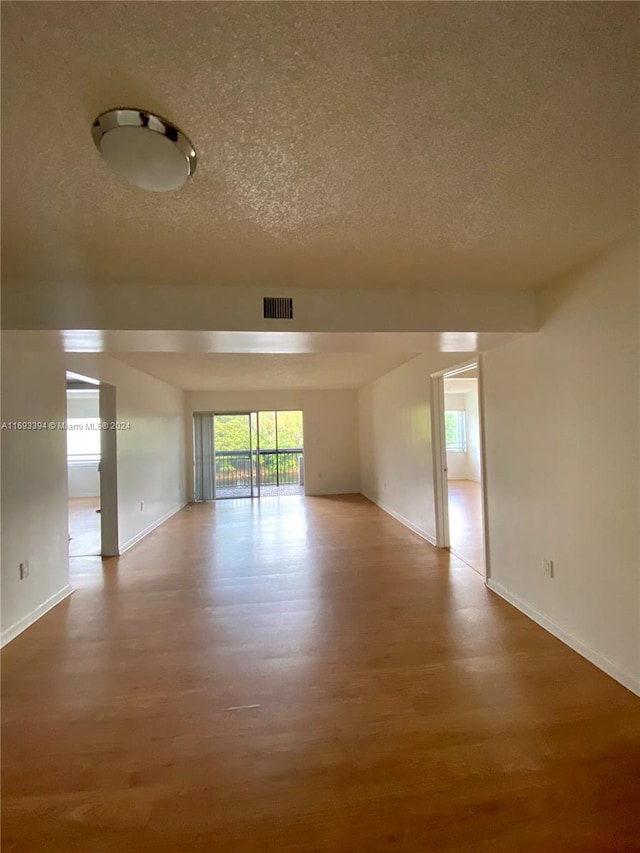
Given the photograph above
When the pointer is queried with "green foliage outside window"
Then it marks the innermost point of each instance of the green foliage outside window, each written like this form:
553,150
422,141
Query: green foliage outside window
232,431
454,424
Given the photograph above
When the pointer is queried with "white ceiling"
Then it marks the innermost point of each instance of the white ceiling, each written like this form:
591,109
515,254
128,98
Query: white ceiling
368,145
275,372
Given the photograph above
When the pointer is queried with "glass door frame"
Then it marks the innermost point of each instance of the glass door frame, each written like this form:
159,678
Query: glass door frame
254,455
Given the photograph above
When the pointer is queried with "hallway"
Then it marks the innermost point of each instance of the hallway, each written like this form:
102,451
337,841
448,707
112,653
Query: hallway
306,675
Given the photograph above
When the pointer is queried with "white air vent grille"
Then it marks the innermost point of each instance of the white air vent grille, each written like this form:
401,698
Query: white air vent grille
278,308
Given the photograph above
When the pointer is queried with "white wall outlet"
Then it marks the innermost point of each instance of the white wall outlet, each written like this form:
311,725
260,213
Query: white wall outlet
547,565
141,506
24,570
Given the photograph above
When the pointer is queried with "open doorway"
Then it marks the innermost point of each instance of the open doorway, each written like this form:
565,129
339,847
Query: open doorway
458,451
248,454
91,467
83,468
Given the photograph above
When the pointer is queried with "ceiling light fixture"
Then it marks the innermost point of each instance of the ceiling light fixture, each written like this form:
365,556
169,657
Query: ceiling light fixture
144,149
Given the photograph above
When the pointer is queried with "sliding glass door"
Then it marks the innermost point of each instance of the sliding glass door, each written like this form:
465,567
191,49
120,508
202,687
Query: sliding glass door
280,452
235,443
247,454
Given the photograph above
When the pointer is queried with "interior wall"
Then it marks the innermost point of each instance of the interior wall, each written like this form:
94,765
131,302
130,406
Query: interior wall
183,306
395,442
34,489
562,427
561,414
83,478
331,458
151,452
472,407
83,404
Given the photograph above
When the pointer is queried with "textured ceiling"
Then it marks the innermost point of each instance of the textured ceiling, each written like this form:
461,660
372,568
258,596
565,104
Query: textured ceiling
427,145
241,372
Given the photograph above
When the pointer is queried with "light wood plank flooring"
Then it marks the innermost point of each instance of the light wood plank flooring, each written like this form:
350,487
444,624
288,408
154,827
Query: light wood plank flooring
306,675
465,522
84,527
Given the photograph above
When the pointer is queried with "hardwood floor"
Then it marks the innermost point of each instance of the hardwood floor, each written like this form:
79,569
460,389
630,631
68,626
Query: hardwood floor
84,527
306,675
465,522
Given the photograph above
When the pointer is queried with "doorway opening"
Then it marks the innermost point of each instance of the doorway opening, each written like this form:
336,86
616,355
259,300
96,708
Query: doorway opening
83,468
248,454
459,468
91,468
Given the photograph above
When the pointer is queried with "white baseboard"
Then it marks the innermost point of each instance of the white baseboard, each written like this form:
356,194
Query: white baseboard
22,624
401,519
151,527
602,662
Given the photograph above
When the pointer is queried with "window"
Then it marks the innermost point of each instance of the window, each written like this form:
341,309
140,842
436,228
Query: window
454,424
83,440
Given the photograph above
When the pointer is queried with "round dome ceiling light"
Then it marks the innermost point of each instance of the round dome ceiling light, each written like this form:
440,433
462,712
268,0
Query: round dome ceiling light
144,149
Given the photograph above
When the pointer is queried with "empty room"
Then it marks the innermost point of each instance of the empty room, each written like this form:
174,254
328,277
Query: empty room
320,427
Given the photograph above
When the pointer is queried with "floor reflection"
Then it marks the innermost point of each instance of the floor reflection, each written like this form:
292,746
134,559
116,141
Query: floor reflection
465,522
84,527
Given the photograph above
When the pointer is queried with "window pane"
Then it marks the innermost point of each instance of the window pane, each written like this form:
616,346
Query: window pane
454,422
290,430
232,432
83,439
451,428
267,430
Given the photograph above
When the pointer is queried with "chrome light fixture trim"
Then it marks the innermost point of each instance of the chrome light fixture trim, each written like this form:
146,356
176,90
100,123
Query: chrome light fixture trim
127,117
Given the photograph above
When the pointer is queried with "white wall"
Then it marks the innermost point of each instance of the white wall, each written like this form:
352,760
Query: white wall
395,442
34,489
151,454
183,306
472,408
562,461
332,464
562,427
83,478
83,403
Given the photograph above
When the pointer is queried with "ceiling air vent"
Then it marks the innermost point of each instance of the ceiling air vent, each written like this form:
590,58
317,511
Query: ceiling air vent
278,308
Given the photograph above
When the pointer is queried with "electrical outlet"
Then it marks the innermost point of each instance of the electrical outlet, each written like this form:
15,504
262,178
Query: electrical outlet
141,506
24,570
547,565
